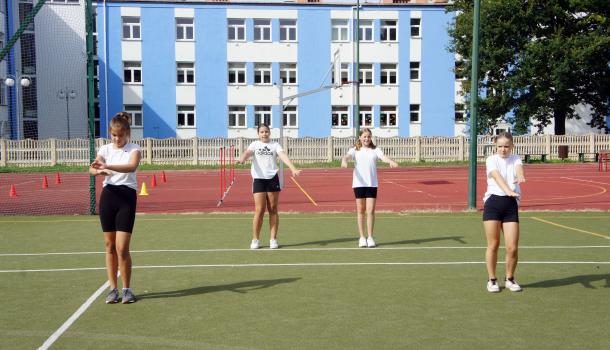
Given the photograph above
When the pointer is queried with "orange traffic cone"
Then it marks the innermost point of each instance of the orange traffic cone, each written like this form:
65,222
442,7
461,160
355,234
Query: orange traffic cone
13,191
143,190
45,183
57,179
153,182
163,178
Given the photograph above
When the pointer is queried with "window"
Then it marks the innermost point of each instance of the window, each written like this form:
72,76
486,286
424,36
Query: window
262,30
262,73
66,1
388,74
186,116
459,113
388,30
339,116
28,53
135,111
262,114
366,116
96,119
288,30
131,28
290,117
185,28
237,116
366,30
344,74
460,70
388,117
415,27
132,72
185,73
288,73
414,70
237,29
340,30
366,74
237,73
96,78
414,113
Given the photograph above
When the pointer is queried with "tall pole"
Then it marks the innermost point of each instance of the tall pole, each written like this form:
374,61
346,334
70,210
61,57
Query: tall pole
357,71
68,112
474,102
90,98
280,86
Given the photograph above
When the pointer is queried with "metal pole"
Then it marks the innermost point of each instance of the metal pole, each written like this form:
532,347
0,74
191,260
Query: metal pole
280,86
474,97
357,72
68,112
90,98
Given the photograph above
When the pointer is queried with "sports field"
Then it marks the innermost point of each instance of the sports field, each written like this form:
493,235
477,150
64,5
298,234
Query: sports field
200,287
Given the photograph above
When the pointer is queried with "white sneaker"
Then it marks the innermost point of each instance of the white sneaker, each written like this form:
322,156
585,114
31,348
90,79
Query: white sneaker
492,286
254,244
273,244
513,286
370,242
362,242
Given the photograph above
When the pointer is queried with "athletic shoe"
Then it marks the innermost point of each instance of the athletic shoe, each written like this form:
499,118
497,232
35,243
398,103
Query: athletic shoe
273,244
512,285
254,244
113,296
370,242
128,296
492,286
362,242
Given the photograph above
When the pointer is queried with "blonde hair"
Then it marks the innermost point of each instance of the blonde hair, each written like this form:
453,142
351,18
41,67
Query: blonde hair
121,121
358,144
504,135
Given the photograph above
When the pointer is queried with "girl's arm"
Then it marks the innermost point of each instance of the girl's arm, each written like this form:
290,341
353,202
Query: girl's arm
286,160
495,174
244,156
94,168
134,161
386,159
344,160
520,173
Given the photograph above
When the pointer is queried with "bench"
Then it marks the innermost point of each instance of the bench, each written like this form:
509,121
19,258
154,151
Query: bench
528,157
582,155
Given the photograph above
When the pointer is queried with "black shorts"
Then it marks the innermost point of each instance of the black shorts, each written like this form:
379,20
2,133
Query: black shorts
118,208
266,185
365,192
501,208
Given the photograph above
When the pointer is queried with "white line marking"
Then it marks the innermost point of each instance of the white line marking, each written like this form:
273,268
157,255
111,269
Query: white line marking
595,182
81,310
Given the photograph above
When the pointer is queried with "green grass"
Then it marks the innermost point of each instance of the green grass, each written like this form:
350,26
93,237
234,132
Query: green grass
313,293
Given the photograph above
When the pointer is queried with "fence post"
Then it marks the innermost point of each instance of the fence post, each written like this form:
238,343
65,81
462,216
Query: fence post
418,148
285,145
3,152
461,148
195,151
149,152
240,146
591,143
53,152
329,149
548,146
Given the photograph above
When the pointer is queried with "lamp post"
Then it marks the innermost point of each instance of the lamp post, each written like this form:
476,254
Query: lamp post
67,94
24,81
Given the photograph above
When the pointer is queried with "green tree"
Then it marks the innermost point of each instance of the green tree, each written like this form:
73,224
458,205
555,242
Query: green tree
539,59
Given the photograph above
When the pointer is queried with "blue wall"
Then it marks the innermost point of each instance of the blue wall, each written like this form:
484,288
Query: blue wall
115,70
404,56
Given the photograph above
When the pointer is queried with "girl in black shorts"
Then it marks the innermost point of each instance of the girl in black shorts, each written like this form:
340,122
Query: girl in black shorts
118,162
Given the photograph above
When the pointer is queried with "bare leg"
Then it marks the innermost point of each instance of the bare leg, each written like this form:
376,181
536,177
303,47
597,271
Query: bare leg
360,210
511,240
112,262
370,215
274,218
260,202
122,247
492,233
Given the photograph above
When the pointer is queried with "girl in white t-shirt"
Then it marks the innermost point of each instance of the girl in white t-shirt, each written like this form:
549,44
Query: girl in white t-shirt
501,210
118,161
265,182
365,154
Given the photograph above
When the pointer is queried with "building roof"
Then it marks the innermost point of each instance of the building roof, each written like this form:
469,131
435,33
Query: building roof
300,2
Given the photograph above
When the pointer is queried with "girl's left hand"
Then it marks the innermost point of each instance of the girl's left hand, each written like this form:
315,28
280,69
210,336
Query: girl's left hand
520,179
295,172
393,164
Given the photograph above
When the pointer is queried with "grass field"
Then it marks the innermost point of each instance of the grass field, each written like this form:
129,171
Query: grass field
200,287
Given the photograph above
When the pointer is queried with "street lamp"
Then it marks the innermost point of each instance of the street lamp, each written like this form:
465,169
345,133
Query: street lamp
67,94
24,81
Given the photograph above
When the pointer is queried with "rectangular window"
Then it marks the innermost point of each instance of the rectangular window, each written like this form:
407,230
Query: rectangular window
28,53
340,116
131,28
186,116
132,72
288,30
262,30
185,29
414,72
340,30
237,73
415,27
414,113
366,74
135,111
237,29
388,74
237,116
344,73
388,30
185,73
262,114
388,117
262,73
288,73
460,112
366,30
366,116
290,118
96,119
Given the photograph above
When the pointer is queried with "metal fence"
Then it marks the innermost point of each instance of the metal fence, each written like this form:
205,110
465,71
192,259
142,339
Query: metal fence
198,151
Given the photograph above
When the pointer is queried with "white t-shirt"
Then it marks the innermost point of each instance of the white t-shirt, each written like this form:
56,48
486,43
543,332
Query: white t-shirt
119,156
264,162
507,168
365,171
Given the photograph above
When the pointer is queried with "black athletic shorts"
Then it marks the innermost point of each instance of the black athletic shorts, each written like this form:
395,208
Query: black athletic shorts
118,208
266,185
365,192
501,208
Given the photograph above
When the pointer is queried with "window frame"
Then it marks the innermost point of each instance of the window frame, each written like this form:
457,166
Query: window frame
187,23
265,112
234,28
369,72
341,113
236,112
133,67
386,71
415,24
385,112
132,110
186,116
234,69
184,73
341,28
364,112
287,29
367,29
415,110
288,72
262,72
131,27
262,31
288,115
415,71
387,30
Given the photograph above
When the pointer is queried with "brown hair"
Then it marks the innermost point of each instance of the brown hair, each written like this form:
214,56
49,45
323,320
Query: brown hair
121,121
504,135
358,144
262,125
